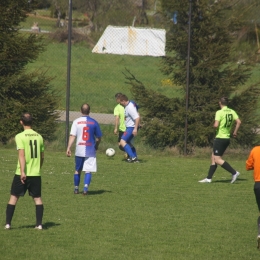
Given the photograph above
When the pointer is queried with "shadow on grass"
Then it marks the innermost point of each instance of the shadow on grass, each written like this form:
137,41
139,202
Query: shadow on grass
97,192
139,161
44,226
228,181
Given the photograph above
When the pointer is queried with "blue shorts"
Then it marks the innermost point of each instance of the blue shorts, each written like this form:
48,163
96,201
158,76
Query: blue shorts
128,136
79,161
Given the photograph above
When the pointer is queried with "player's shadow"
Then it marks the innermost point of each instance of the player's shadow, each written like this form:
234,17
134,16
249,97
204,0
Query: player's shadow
44,225
139,161
97,192
228,181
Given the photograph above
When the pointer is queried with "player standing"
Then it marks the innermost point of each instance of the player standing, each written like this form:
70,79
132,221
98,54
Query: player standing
253,163
88,134
224,119
27,176
132,120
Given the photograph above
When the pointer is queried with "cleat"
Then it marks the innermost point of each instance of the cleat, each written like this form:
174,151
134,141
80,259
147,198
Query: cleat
76,191
126,156
258,241
39,227
85,193
132,160
234,177
7,226
205,181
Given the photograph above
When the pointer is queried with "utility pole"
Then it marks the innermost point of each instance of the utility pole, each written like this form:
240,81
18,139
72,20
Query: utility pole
187,83
68,76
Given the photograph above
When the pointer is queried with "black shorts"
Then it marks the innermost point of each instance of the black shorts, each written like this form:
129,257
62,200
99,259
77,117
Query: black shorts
120,135
257,194
33,184
220,145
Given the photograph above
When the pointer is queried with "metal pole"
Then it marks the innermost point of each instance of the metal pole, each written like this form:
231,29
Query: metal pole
187,83
68,75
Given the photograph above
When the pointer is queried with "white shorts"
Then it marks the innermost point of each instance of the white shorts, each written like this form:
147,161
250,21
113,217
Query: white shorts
90,164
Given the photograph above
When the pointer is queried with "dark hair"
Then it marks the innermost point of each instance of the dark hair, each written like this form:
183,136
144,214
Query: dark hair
224,101
27,119
85,109
123,98
117,95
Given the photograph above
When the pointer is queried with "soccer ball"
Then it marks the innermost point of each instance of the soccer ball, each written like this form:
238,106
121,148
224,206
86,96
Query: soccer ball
110,152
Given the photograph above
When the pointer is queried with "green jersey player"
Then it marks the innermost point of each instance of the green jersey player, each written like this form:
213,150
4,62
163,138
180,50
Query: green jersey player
27,176
224,119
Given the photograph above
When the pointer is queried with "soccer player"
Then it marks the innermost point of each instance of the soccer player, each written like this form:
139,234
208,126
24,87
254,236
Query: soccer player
224,119
132,120
119,113
253,163
27,176
88,134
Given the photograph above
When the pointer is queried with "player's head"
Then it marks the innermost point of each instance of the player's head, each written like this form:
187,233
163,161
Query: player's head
223,101
85,109
123,100
26,119
117,96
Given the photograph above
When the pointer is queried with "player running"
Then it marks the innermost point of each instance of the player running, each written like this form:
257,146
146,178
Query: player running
224,119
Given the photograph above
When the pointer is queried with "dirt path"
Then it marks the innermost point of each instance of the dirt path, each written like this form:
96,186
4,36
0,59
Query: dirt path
106,119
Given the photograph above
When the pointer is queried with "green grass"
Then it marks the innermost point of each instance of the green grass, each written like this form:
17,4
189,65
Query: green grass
95,78
152,210
46,24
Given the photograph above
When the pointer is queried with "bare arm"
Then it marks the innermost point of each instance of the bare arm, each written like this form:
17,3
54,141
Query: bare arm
98,140
21,158
71,140
238,123
116,124
42,159
216,124
137,121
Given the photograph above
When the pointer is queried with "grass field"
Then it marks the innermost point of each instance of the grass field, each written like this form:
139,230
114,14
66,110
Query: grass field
95,78
152,210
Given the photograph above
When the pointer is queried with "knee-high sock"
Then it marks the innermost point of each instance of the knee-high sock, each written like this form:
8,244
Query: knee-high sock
228,168
87,180
39,214
128,150
134,151
258,225
76,179
9,213
212,170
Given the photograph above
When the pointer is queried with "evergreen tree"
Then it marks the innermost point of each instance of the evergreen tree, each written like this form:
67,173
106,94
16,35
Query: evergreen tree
212,76
21,91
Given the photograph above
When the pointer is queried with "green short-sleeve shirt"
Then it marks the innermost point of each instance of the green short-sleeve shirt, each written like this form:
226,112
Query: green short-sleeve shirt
32,144
119,110
226,116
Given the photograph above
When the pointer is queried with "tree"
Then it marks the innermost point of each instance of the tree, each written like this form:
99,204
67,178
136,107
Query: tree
21,91
212,75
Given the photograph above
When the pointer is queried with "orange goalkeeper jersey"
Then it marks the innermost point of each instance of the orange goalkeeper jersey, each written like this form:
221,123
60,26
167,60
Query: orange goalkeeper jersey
253,162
